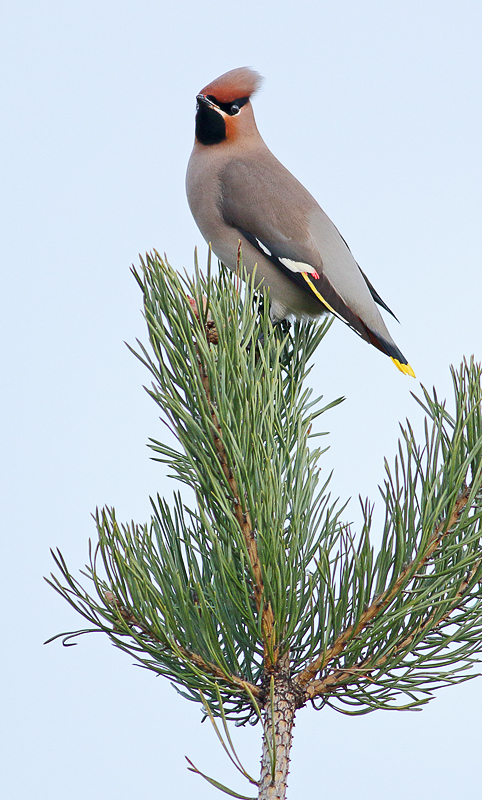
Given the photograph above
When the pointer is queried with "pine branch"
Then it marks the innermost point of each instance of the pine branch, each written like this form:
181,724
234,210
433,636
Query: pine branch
356,674
242,516
305,679
192,658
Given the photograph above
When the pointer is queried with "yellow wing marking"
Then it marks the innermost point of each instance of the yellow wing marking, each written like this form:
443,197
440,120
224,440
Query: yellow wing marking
319,296
405,368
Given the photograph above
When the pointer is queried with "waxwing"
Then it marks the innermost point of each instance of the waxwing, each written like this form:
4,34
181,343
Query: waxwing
242,197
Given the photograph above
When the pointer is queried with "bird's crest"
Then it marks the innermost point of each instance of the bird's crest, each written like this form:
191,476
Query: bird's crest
241,82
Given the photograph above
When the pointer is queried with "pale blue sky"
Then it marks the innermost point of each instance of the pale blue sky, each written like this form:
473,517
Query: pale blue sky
376,107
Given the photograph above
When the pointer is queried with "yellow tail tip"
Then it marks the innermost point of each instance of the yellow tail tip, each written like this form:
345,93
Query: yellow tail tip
405,368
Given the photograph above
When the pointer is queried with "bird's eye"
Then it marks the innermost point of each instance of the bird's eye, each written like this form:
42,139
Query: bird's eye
234,109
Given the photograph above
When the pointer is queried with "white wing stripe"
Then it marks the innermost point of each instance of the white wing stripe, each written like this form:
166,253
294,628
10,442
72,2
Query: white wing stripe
293,266
298,266
263,248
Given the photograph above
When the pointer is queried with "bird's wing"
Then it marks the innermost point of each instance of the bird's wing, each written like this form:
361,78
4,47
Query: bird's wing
279,217
378,300
267,201
376,296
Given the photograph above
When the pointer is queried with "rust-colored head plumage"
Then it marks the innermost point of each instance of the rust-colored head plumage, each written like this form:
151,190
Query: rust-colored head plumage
236,83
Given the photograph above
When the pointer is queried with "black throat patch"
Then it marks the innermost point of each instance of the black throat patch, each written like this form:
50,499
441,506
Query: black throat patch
210,126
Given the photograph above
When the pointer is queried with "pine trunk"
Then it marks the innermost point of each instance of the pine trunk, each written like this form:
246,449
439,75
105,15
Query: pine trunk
278,724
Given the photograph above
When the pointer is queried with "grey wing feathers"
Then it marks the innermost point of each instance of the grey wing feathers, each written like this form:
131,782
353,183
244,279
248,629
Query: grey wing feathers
371,288
271,210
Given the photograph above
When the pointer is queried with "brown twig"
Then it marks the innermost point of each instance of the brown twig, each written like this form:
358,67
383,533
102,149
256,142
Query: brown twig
339,676
210,327
243,519
304,679
187,655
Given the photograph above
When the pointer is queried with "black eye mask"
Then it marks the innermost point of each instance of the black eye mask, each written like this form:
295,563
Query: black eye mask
229,108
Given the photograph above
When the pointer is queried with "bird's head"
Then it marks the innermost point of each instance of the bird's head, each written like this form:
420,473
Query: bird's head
224,112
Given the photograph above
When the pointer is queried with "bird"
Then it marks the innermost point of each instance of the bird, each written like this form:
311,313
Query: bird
245,201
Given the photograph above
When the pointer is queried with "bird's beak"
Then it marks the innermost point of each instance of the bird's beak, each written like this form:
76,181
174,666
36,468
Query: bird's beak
203,100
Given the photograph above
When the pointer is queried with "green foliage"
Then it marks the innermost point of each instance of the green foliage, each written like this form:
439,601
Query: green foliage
363,630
